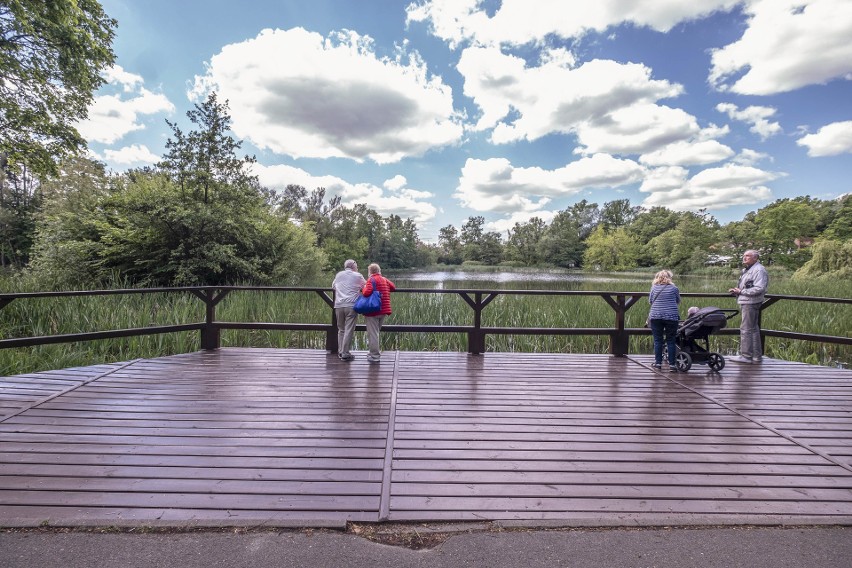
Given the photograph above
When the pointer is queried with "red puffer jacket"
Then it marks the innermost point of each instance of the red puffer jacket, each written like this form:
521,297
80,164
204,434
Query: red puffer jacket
384,286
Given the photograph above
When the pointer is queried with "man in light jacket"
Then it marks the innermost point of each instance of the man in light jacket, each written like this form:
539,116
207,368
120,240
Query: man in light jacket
347,286
750,293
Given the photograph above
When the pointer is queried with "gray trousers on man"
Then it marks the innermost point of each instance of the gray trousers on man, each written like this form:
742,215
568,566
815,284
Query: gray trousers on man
374,324
346,320
750,346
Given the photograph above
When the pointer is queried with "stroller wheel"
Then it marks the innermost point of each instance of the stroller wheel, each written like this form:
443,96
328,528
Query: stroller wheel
683,361
716,361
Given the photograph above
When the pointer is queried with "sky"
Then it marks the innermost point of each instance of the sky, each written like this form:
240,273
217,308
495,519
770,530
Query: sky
439,110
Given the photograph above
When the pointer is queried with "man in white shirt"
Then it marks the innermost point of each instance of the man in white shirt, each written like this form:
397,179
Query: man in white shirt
347,286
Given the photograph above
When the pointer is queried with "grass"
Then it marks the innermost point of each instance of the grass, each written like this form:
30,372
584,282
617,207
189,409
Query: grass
51,316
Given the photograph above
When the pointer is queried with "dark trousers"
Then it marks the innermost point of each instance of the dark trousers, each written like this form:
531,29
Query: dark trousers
660,329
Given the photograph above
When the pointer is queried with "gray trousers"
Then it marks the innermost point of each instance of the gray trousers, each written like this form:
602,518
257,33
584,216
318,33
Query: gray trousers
374,324
346,320
750,346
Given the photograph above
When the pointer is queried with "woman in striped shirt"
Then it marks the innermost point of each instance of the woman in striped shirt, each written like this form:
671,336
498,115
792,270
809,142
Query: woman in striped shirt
664,316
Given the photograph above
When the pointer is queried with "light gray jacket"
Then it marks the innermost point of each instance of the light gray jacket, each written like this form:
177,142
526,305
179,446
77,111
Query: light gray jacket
347,287
753,284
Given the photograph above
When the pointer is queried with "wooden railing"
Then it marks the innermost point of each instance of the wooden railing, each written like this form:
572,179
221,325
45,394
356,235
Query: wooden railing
478,300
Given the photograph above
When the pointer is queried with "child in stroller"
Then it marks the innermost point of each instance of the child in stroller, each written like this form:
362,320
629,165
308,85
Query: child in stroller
691,339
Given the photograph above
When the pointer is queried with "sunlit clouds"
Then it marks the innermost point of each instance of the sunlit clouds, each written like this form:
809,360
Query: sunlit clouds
830,140
305,95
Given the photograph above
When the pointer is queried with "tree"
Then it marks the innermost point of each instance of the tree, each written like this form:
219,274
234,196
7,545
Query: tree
560,245
67,246
618,213
450,244
780,224
52,53
831,260
20,200
840,227
611,250
524,239
471,237
685,247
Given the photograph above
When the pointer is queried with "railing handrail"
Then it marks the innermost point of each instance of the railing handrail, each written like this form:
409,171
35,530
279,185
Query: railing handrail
477,299
118,291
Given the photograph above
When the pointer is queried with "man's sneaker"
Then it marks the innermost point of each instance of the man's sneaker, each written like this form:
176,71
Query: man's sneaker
346,357
373,359
740,359
657,366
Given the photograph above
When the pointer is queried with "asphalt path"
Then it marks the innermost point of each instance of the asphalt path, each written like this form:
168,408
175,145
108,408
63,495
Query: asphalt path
752,547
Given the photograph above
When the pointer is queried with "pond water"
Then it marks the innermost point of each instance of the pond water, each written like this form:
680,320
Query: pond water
540,279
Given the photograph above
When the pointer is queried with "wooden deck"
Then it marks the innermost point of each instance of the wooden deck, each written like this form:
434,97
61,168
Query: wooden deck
244,436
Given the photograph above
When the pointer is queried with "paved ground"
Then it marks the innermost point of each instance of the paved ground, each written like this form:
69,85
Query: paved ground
821,547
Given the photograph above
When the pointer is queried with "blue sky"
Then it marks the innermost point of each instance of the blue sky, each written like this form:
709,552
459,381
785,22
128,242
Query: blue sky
439,110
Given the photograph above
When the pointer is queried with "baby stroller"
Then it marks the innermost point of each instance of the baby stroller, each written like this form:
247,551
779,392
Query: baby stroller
692,343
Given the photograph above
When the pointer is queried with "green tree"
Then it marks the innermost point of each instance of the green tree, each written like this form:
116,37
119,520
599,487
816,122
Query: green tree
611,250
830,260
618,213
523,243
560,245
840,228
780,225
52,53
67,245
451,250
687,246
20,200
471,237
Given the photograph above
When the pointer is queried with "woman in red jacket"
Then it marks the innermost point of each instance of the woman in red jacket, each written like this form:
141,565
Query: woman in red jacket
374,321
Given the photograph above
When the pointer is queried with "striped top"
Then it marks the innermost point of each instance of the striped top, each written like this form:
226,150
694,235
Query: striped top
664,300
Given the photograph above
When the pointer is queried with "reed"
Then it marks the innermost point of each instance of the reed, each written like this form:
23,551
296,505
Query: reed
51,316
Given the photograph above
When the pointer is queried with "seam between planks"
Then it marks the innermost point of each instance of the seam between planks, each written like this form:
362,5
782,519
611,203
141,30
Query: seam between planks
387,471
69,389
744,415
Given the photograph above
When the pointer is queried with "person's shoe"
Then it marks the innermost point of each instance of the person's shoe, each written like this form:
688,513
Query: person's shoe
757,360
346,357
657,366
740,359
374,359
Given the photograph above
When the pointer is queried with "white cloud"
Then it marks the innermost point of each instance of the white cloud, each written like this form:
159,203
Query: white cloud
496,185
756,116
598,100
638,129
297,93
749,157
830,140
397,200
508,223
133,155
111,117
519,22
712,188
688,153
788,44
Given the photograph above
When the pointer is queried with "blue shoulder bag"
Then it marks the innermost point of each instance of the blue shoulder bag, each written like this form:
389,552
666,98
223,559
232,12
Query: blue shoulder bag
369,304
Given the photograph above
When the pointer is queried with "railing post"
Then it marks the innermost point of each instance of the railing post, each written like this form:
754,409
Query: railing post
331,335
210,333
620,340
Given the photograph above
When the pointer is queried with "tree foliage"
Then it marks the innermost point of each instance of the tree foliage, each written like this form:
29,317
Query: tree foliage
611,250
52,53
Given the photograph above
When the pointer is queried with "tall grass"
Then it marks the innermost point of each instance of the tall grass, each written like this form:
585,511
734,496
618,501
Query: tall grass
52,316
